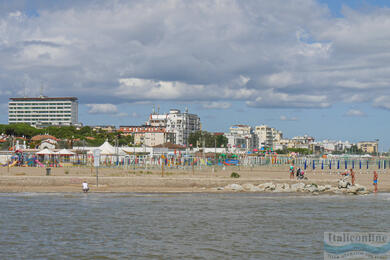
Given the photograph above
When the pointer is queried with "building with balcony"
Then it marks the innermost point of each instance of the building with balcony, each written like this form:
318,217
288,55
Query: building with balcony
266,136
368,146
181,124
241,137
43,111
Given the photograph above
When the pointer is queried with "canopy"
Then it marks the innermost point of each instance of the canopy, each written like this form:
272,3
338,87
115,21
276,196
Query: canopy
107,149
45,151
65,152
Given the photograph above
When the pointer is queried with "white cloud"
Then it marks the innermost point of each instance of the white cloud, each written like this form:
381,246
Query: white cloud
271,98
382,102
285,118
282,79
102,109
217,105
147,89
122,114
138,88
355,113
264,53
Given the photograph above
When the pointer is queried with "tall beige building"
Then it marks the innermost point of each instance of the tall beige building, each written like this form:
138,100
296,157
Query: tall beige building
266,136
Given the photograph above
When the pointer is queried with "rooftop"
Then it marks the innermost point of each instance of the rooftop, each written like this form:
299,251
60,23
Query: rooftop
45,99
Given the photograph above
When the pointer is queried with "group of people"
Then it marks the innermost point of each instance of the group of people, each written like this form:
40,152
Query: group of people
300,175
353,178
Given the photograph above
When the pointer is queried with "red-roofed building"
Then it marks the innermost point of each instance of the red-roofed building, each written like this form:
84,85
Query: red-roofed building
43,137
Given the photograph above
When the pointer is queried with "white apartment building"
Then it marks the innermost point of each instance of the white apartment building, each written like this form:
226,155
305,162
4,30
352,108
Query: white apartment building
332,146
266,136
241,136
43,111
181,124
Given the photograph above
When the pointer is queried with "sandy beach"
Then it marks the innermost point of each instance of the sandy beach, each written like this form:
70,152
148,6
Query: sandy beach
25,179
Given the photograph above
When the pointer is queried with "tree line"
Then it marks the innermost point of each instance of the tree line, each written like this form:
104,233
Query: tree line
69,135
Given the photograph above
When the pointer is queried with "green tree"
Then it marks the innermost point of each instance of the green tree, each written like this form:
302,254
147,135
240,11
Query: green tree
204,138
299,150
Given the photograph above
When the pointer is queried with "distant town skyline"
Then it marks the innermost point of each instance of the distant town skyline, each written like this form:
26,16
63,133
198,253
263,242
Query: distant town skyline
305,67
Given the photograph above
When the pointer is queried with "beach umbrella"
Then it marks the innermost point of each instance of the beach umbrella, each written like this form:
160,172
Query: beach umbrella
346,164
353,164
338,164
360,164
367,164
379,164
322,165
384,164
314,165
305,165
330,165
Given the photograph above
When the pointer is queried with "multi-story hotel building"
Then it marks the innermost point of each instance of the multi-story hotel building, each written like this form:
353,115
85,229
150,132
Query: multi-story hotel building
181,124
43,111
266,136
241,136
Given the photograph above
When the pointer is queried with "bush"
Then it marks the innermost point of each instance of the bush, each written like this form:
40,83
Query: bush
235,175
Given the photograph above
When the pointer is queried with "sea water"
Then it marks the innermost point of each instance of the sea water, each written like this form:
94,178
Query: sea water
181,226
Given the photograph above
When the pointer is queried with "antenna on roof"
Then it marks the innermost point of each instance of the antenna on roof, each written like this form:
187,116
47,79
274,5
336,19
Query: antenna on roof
154,109
158,109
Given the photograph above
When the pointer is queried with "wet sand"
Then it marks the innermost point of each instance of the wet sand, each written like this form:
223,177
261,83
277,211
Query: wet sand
206,179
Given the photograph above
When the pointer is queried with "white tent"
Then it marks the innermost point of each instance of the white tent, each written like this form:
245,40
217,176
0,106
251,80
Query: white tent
45,152
107,149
64,152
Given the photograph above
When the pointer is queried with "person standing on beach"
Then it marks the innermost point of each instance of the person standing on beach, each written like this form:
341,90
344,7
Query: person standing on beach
375,182
292,171
352,177
298,172
85,187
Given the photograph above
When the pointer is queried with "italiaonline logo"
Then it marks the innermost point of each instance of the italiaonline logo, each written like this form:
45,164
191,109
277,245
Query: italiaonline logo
352,245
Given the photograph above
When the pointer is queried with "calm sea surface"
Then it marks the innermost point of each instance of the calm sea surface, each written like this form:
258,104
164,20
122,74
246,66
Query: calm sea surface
180,226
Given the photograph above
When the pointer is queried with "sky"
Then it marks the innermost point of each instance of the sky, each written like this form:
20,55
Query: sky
316,67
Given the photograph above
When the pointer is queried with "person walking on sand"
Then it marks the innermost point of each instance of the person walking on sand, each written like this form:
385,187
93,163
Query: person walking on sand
292,171
375,182
352,177
85,187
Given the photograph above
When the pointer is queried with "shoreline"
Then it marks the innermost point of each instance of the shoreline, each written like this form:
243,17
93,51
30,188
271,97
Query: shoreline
68,180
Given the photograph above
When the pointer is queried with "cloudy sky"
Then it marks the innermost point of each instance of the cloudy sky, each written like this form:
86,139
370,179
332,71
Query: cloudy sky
303,66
